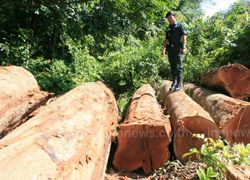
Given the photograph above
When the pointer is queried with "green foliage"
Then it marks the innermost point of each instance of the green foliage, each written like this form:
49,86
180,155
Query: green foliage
53,76
132,65
218,154
123,101
207,174
221,39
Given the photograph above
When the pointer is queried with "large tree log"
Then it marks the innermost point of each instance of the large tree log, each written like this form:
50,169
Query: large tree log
187,118
233,78
69,139
144,136
19,96
231,115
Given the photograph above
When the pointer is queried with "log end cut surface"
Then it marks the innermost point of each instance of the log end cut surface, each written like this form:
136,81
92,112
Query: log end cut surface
183,138
142,146
238,130
233,78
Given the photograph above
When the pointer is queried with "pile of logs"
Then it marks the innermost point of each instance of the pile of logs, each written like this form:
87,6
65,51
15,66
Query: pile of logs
231,115
70,137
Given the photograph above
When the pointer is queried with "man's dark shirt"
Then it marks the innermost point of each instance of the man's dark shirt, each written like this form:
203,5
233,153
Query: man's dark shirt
173,35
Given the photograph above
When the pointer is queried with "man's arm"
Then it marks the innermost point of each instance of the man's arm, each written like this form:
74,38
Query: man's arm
183,41
165,47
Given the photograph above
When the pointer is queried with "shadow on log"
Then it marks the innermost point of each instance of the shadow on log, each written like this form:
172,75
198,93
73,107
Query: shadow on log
19,96
232,116
69,139
233,78
187,118
144,136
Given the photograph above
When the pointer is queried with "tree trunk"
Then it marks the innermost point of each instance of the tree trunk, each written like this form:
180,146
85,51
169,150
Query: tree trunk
231,115
69,139
144,136
187,118
233,78
19,96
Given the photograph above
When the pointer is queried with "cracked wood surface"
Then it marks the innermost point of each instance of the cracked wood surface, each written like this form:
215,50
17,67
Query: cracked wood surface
69,139
144,136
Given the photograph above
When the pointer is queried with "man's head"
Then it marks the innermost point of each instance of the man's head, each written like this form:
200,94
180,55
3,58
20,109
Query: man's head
171,16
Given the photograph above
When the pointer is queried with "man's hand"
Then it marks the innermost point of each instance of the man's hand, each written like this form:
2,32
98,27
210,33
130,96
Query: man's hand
164,52
184,50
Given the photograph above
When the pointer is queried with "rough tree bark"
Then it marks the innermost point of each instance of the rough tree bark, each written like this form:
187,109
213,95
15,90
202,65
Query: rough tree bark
144,136
231,115
69,139
187,118
233,78
19,96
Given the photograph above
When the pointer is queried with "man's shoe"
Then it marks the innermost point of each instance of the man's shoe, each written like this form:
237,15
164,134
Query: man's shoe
171,89
173,85
177,88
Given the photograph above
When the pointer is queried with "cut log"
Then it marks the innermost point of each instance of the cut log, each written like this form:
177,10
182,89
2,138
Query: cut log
187,118
19,96
231,115
233,78
69,139
144,137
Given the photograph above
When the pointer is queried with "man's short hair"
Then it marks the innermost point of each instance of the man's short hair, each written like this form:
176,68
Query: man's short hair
170,13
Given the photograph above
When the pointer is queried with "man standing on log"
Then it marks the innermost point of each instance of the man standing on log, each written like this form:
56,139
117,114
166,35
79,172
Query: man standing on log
174,47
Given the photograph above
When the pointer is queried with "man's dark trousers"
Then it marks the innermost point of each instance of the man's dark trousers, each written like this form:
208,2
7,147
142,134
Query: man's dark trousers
175,60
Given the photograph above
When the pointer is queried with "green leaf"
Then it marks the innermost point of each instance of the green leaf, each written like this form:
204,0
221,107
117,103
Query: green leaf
201,173
211,173
191,152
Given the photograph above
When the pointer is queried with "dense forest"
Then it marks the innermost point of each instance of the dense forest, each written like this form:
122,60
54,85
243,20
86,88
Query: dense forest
67,42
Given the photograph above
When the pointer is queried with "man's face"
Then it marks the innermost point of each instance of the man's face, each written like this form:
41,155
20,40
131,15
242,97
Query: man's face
171,19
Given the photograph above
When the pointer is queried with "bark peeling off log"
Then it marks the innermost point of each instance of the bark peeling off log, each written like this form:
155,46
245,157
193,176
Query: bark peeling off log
187,118
19,96
231,115
144,136
233,78
69,139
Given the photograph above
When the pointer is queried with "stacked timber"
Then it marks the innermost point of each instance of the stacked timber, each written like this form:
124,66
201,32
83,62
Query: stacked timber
19,96
144,137
187,118
232,116
233,78
69,139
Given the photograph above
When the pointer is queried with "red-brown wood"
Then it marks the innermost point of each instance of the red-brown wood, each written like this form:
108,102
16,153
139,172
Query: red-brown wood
232,116
69,139
233,78
187,118
144,136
